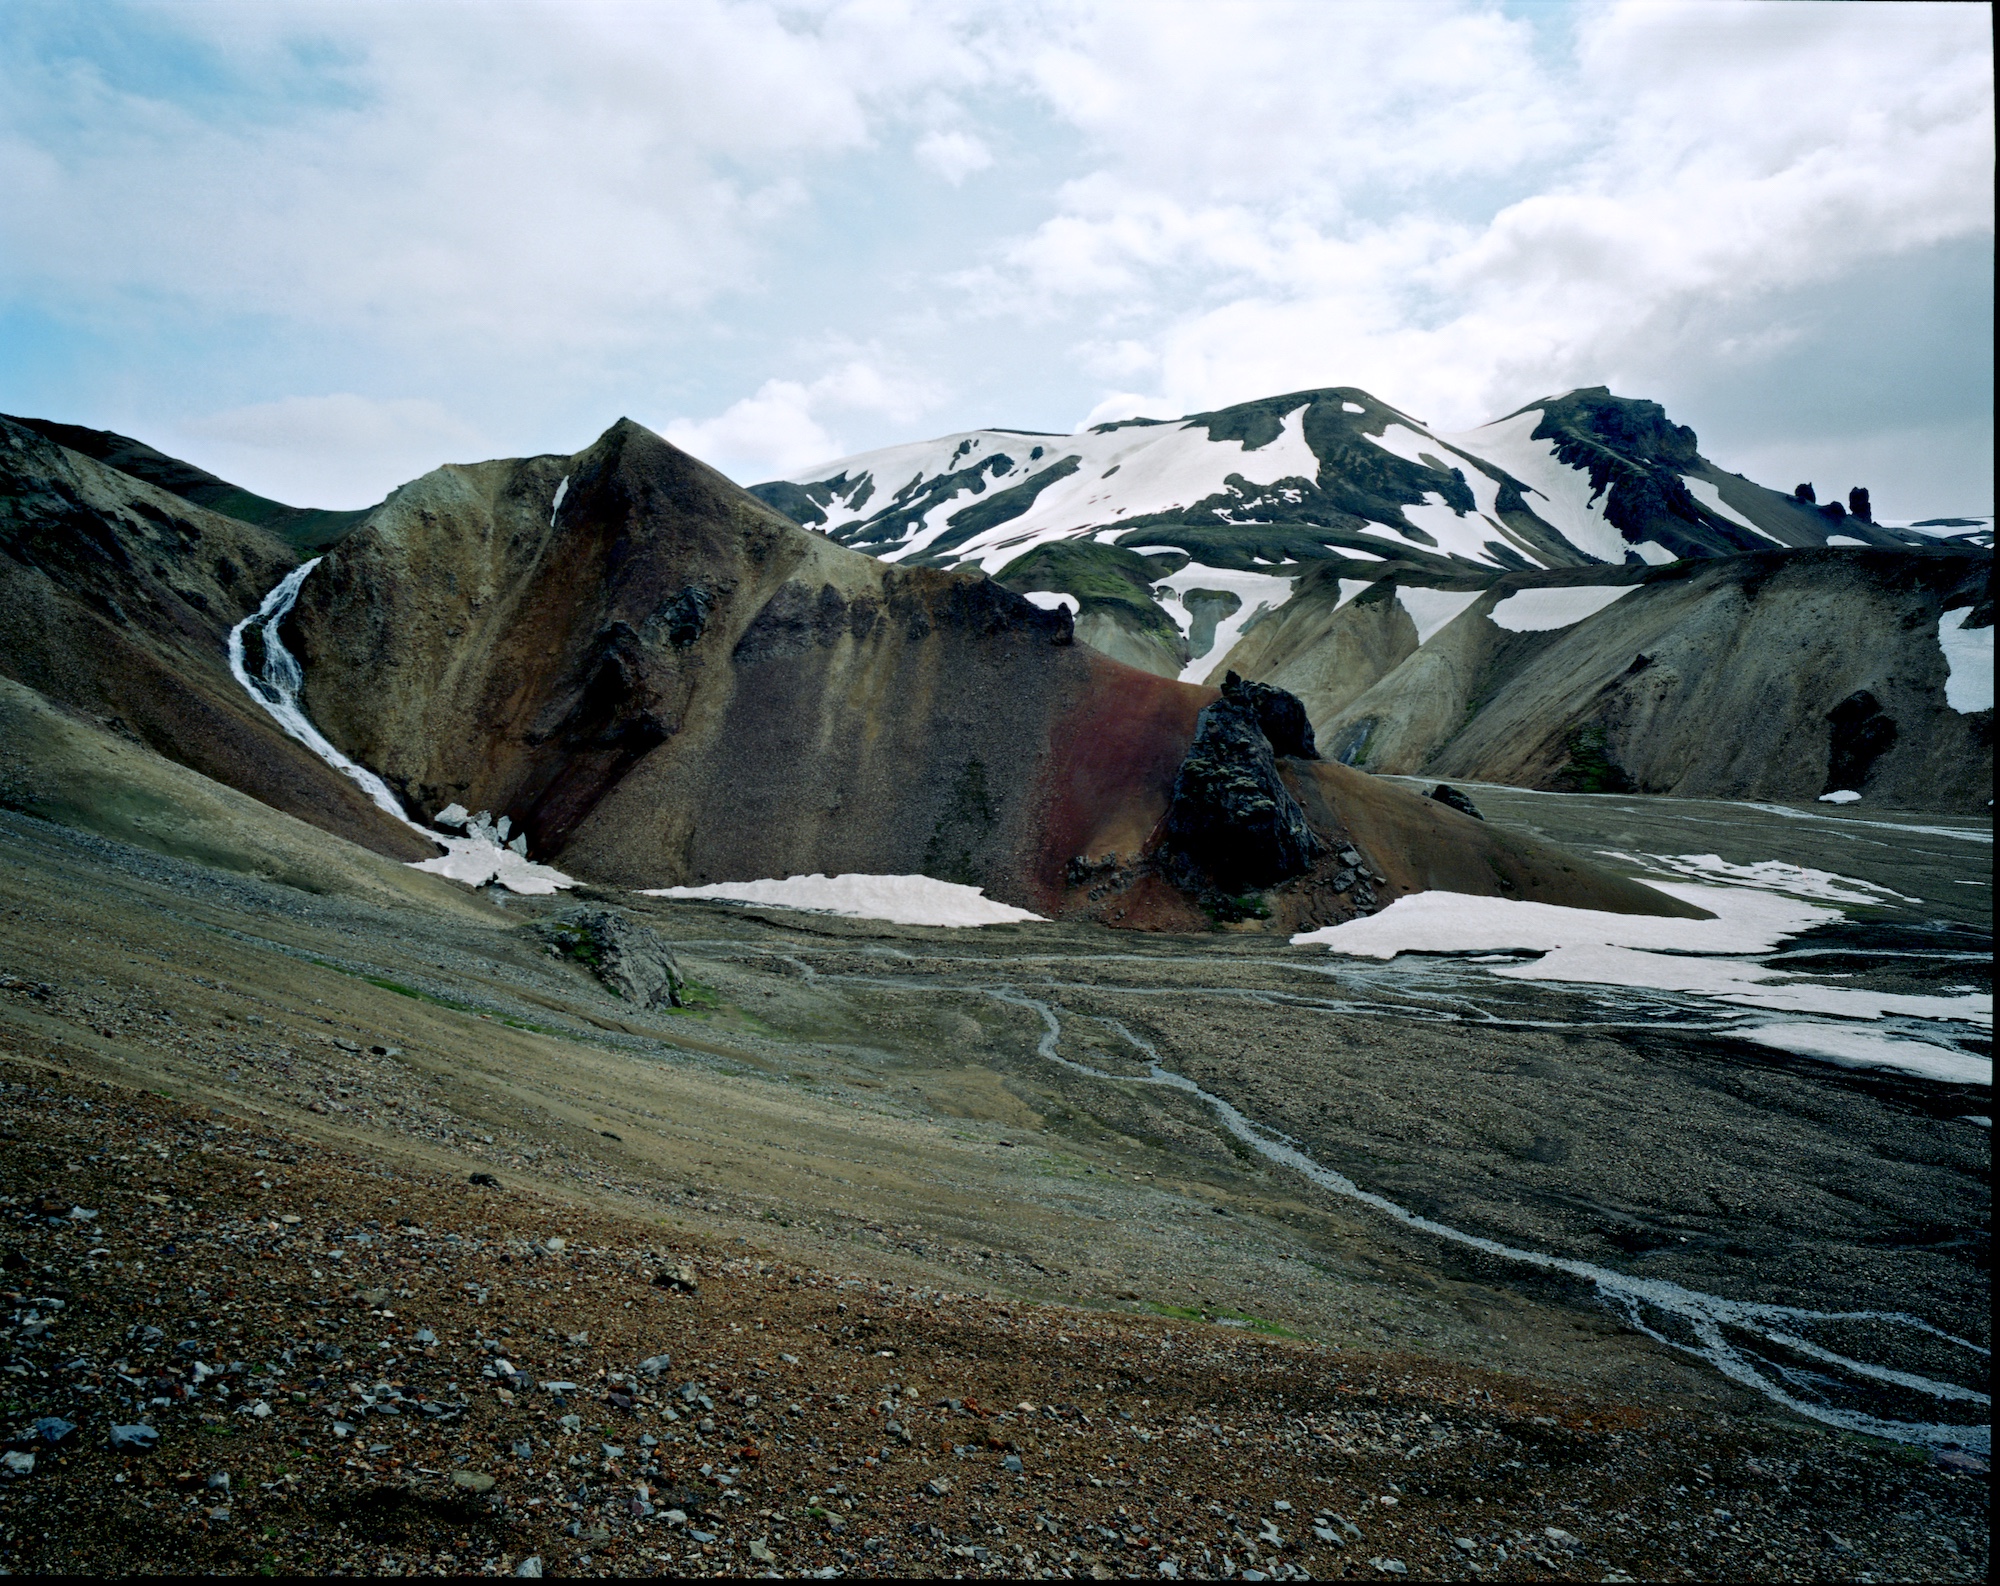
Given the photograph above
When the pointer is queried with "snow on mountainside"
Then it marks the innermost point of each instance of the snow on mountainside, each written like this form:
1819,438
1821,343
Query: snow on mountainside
1183,533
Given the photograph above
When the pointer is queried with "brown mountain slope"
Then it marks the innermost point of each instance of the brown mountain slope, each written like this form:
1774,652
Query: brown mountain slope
116,600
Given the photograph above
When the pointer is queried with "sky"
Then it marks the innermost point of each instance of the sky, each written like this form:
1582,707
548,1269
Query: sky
321,248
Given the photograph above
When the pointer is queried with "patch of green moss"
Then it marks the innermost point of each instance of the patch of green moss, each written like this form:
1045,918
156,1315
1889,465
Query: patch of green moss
1590,768
1226,910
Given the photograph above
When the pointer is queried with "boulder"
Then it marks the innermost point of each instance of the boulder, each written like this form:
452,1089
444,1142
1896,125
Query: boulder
1858,504
632,960
1451,798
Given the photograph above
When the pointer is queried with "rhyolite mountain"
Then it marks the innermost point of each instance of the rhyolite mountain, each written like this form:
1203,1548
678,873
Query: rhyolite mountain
1169,537
1325,543
660,680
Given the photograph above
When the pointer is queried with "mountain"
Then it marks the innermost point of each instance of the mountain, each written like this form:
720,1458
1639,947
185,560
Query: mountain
301,528
116,602
1329,545
1169,537
658,680
1774,675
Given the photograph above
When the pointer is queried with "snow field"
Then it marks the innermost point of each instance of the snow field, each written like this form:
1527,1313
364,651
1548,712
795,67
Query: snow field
898,900
1968,653
1562,495
1432,610
1540,610
1704,958
1711,497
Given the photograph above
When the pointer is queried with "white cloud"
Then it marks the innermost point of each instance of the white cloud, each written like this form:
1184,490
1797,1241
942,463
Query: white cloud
779,431
337,451
545,214
954,155
1546,222
550,175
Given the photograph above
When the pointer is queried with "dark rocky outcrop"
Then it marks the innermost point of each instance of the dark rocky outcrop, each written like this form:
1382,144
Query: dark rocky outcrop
632,960
1451,798
1232,820
1279,715
1859,505
1859,734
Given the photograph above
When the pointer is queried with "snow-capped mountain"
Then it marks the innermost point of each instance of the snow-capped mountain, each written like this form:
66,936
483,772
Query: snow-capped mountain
1168,538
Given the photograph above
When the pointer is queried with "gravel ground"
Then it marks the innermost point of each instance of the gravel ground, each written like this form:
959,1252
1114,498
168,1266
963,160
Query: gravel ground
352,1366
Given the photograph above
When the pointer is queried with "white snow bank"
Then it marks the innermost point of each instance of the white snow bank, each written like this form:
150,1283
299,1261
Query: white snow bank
901,900
1746,921
1770,875
1538,610
478,860
1052,600
1433,609
1968,652
1845,795
1742,984
1711,497
1706,958
1845,539
1852,1048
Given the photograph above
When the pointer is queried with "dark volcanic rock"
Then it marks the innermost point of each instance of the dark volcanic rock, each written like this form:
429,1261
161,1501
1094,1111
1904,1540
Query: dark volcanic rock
1281,716
632,960
1232,818
1453,799
1860,734
1858,504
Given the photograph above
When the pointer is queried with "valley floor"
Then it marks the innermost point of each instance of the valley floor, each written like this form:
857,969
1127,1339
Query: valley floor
951,1136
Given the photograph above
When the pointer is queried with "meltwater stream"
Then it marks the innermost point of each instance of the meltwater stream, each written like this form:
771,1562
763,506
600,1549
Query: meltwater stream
475,859
1706,1316
277,685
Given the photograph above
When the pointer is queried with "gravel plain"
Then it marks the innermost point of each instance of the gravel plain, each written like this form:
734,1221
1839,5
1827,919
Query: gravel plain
891,1250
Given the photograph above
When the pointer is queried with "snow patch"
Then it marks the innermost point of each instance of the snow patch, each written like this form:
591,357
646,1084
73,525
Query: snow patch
1968,653
1746,921
1770,875
1844,539
1710,958
555,506
1258,592
1845,795
1433,609
1654,554
1711,498
900,900
1052,600
1853,1048
1559,494
1352,407
1539,610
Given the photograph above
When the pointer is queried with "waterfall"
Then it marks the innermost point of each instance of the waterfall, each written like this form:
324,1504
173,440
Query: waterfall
475,858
